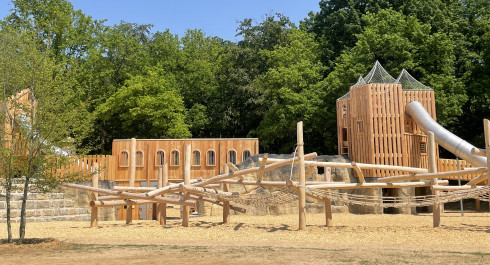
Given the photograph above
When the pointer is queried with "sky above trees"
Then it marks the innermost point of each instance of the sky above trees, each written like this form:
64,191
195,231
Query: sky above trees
215,18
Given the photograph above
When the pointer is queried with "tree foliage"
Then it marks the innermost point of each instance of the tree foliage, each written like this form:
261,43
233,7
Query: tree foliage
129,81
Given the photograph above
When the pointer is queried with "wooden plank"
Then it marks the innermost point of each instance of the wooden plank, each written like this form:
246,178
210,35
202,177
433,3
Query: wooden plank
301,176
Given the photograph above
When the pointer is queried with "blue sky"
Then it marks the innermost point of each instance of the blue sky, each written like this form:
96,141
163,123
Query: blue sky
214,17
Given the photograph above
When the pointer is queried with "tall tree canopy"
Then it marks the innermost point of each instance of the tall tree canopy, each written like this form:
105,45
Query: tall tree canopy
129,81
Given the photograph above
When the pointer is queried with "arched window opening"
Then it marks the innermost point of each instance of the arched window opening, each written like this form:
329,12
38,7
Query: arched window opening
246,154
232,156
175,158
124,159
196,158
139,158
160,158
211,158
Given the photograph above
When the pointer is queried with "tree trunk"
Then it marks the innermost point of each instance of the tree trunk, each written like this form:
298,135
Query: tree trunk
22,226
8,187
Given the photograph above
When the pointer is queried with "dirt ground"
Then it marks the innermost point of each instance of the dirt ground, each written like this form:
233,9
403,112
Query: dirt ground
354,239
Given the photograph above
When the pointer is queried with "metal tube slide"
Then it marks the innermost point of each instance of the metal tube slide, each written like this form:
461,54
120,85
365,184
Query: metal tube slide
443,137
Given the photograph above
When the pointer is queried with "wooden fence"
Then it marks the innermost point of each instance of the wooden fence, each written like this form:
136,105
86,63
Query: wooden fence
85,165
445,165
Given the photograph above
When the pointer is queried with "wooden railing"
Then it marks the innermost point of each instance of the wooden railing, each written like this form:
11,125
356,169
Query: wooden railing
85,165
445,165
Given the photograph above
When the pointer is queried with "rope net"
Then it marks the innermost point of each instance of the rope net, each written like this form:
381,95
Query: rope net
262,197
378,74
410,83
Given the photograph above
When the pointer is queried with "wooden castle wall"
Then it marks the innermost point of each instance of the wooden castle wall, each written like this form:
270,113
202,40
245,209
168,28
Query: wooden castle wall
377,129
147,170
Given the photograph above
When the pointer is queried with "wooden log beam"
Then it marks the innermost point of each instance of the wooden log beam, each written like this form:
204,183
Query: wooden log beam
255,183
431,156
168,188
213,186
187,182
361,166
309,170
302,177
295,186
132,176
133,189
226,204
358,170
217,202
450,188
94,210
270,183
251,170
159,185
328,212
109,198
478,152
467,171
128,195
163,206
347,186
192,189
262,166
477,180
232,167
101,203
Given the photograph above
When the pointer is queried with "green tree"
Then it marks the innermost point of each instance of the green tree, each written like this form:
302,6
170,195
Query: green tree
291,90
147,106
39,112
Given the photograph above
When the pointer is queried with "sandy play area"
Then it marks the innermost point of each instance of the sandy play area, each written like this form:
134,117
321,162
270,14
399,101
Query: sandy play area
357,239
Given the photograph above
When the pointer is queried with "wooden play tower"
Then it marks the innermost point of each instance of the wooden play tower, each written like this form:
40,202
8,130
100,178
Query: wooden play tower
372,125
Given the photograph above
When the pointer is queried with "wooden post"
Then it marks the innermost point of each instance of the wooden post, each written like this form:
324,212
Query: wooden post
226,204
486,130
301,175
327,202
159,185
436,210
328,212
163,206
187,181
94,210
132,175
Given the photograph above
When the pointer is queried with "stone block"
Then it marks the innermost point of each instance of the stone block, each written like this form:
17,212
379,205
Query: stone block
48,212
30,213
64,211
57,203
70,203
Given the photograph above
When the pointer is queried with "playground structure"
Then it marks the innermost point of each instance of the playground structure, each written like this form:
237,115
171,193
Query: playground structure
208,190
397,150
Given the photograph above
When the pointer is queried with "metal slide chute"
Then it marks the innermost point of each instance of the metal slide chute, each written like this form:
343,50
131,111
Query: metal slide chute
443,137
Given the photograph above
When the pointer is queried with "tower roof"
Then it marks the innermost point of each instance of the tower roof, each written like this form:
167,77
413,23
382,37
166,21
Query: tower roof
379,75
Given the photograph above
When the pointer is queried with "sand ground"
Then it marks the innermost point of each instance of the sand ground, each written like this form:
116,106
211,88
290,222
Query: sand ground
353,239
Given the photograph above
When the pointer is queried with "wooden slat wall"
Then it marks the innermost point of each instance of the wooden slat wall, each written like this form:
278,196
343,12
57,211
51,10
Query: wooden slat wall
413,134
343,122
387,122
149,148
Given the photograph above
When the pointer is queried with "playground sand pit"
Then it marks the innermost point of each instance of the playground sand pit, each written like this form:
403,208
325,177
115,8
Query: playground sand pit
361,239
